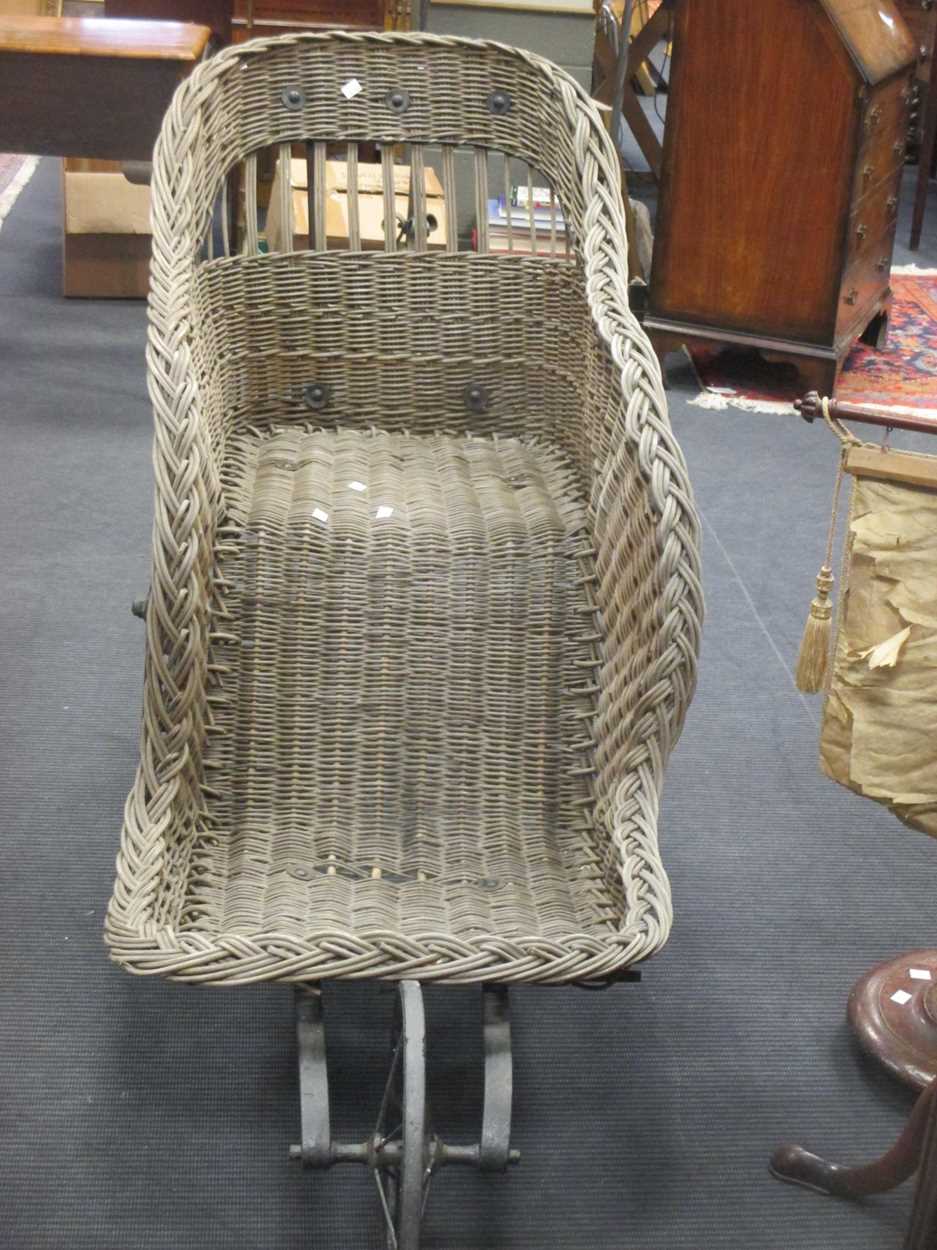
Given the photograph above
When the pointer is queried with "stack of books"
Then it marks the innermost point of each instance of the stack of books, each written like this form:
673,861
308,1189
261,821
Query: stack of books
531,223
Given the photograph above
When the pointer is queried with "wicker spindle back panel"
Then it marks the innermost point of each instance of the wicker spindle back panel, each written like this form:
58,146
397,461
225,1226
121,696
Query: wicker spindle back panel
457,189
289,90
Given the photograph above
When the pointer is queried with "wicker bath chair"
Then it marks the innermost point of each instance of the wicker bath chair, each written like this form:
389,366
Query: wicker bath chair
425,609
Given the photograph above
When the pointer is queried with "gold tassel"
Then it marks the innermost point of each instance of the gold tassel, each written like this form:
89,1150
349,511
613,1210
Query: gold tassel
813,663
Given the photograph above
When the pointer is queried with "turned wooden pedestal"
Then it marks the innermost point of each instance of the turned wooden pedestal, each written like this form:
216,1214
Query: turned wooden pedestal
915,1151
893,1010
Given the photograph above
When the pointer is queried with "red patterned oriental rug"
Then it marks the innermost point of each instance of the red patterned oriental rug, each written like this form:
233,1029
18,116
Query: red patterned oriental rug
903,377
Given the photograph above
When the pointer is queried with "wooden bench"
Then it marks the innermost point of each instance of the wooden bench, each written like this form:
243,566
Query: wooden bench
95,87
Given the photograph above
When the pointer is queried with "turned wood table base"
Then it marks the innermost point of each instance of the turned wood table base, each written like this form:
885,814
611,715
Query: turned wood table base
914,1151
893,1010
893,1013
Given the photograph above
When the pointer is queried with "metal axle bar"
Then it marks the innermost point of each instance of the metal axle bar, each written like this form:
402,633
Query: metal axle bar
388,1154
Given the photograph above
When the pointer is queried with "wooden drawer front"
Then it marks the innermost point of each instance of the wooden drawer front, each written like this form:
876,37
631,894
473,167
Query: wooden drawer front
868,262
863,283
884,117
873,218
879,162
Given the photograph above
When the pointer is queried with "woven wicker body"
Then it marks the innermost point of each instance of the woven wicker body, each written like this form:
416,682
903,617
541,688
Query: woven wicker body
425,605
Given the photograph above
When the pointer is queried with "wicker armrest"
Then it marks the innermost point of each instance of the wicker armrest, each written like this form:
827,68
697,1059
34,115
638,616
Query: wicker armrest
650,595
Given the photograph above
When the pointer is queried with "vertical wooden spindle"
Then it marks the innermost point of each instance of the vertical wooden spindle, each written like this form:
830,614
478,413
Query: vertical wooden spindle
225,220
418,195
507,202
390,207
311,190
481,199
285,185
449,197
250,205
351,186
233,184
317,224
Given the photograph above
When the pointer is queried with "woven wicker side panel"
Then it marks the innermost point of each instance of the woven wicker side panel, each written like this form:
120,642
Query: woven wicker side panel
650,600
405,712
396,339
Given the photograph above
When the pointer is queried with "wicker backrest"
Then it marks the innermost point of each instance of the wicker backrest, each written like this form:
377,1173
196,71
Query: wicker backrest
455,92
431,97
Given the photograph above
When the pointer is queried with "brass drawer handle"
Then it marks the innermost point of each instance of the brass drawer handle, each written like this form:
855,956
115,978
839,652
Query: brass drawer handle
892,203
851,297
861,232
874,117
867,172
882,265
900,148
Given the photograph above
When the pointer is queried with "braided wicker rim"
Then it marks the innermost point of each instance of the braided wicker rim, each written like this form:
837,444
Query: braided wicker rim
651,546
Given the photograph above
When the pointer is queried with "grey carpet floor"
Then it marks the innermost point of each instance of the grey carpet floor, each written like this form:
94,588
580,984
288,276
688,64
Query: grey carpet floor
140,1115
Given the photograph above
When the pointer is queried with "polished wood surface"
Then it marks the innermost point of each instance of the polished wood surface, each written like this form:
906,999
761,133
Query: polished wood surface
103,37
810,408
90,87
752,179
782,160
876,36
892,1012
215,14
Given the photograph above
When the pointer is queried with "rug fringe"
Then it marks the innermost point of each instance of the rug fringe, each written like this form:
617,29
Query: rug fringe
715,402
914,271
19,180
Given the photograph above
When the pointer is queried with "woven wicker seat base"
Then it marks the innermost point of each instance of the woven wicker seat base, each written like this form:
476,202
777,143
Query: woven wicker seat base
404,709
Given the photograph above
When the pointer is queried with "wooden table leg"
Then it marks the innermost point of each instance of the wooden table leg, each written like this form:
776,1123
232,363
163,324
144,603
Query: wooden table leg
914,1151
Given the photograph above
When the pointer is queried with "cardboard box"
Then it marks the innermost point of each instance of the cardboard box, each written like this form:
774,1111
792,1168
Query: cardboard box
370,206
29,8
107,232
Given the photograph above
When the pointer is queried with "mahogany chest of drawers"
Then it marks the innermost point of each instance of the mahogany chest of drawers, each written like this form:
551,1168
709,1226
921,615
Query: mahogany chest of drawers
786,135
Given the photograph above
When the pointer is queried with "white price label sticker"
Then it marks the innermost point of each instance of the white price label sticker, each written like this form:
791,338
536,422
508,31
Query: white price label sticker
352,88
919,974
901,997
